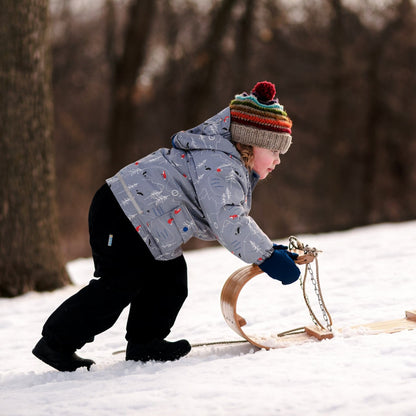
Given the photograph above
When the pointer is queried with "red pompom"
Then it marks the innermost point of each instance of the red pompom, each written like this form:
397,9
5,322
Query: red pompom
264,91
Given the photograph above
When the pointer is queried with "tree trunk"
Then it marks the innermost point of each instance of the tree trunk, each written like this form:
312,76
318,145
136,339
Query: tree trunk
205,64
29,247
338,201
243,36
374,195
125,71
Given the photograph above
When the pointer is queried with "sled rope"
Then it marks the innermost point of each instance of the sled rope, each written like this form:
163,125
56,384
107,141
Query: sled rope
293,331
207,344
202,344
296,245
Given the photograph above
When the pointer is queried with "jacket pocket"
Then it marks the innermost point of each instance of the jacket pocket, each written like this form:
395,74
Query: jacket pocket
183,222
172,229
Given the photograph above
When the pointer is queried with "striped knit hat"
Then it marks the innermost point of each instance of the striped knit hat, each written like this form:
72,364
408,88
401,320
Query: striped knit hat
259,120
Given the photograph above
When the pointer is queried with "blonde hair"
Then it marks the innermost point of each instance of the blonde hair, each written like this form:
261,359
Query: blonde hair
247,154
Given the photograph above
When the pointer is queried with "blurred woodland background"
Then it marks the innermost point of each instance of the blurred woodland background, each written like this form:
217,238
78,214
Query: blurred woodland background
127,74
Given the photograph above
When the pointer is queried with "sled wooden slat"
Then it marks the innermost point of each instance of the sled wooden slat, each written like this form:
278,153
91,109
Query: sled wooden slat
391,327
231,291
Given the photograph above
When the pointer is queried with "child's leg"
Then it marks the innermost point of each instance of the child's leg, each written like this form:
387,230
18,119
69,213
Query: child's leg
92,310
154,309
117,260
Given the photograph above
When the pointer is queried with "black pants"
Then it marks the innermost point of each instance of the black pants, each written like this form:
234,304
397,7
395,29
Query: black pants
128,274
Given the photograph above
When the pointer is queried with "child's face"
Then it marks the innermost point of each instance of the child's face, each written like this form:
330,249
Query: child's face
265,161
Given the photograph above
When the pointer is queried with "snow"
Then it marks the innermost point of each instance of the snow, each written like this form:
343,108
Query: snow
367,274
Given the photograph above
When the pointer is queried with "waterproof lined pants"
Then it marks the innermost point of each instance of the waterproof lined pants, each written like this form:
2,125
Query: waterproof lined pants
127,274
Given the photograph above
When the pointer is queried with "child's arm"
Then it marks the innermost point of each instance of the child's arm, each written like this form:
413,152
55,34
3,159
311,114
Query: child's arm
224,194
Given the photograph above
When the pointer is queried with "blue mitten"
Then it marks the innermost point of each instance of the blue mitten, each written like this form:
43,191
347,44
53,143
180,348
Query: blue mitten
281,266
292,255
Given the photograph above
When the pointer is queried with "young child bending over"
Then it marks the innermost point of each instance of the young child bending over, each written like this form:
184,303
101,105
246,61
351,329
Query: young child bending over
139,219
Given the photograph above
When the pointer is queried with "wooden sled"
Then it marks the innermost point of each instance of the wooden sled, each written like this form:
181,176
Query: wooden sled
236,282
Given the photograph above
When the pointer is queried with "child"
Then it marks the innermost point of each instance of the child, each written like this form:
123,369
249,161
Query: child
140,217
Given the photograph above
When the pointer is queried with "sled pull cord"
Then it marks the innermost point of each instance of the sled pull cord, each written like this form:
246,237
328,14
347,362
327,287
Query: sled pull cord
296,246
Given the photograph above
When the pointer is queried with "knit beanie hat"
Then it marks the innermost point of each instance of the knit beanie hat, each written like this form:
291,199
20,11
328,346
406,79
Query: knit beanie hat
257,119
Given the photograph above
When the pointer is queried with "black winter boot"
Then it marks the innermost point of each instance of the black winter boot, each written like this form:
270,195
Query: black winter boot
157,350
62,361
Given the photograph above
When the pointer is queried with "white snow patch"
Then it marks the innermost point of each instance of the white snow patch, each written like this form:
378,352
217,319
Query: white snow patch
367,274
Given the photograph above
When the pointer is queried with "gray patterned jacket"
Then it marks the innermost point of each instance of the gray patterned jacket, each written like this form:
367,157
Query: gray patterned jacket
198,188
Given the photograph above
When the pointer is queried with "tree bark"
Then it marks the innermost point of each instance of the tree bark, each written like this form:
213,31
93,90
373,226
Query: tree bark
205,64
125,72
338,203
378,111
29,247
244,34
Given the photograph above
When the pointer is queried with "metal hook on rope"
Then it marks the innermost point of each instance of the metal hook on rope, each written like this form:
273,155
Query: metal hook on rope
296,245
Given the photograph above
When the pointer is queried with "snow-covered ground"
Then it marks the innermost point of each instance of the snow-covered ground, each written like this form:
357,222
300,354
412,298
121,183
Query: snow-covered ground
367,274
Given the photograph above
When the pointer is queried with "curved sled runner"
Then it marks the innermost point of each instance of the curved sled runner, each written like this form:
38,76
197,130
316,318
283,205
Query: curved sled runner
229,298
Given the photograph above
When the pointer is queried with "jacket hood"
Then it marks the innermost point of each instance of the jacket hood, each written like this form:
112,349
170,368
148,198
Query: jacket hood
212,134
